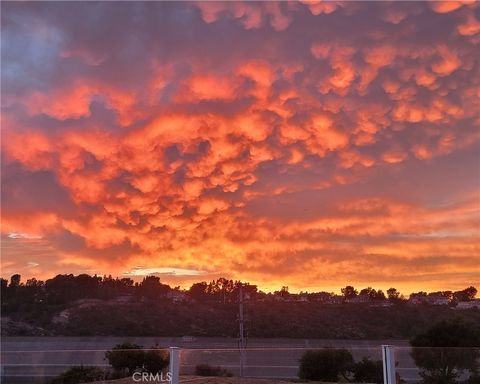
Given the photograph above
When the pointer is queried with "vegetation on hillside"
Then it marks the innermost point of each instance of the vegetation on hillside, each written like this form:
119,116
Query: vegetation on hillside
90,305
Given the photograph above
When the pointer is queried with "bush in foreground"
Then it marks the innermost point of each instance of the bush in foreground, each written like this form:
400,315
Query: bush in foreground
126,358
368,371
332,365
325,364
208,370
155,360
78,375
446,350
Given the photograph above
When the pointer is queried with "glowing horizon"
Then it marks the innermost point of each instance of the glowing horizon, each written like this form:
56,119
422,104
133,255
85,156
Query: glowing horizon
307,144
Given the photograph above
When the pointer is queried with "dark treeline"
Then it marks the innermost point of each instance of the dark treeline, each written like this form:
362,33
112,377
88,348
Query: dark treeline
86,305
393,294
65,289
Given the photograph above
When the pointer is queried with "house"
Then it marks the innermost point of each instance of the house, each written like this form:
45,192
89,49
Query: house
302,297
417,299
177,296
280,298
360,299
438,300
429,300
468,304
325,298
334,299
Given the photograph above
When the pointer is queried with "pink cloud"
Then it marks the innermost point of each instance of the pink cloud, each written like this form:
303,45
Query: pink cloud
258,140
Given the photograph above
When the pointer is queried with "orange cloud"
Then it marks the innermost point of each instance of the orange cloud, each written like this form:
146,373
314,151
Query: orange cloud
33,149
448,62
257,142
208,87
69,104
448,6
380,56
251,15
394,156
470,27
317,7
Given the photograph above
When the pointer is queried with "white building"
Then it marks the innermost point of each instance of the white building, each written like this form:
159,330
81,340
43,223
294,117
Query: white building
468,304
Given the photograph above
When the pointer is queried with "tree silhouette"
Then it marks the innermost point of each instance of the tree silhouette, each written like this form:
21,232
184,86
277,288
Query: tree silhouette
349,292
446,349
152,288
466,295
198,291
393,294
15,280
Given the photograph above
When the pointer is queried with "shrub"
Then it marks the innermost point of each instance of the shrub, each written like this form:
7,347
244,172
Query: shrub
156,360
126,356
447,349
325,364
368,371
129,357
80,374
208,370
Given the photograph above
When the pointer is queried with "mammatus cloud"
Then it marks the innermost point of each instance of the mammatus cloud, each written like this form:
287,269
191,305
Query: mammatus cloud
279,143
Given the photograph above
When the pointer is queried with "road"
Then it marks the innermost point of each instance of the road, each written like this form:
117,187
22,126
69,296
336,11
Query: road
38,359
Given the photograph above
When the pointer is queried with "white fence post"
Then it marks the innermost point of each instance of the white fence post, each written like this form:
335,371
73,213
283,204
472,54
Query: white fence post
388,358
174,365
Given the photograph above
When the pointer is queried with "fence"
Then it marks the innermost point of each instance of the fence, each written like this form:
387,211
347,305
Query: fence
22,366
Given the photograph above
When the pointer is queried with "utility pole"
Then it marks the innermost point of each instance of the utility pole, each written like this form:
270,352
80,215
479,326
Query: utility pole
242,344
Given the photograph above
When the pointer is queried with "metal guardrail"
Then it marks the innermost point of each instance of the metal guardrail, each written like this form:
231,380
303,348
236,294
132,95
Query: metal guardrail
37,366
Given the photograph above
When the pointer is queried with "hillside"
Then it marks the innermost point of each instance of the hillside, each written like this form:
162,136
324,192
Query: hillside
264,319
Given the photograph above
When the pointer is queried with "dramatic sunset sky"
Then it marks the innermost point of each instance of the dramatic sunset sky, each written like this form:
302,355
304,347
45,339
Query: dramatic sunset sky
302,144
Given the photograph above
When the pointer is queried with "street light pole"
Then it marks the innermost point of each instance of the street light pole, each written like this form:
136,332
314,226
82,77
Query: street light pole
241,319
